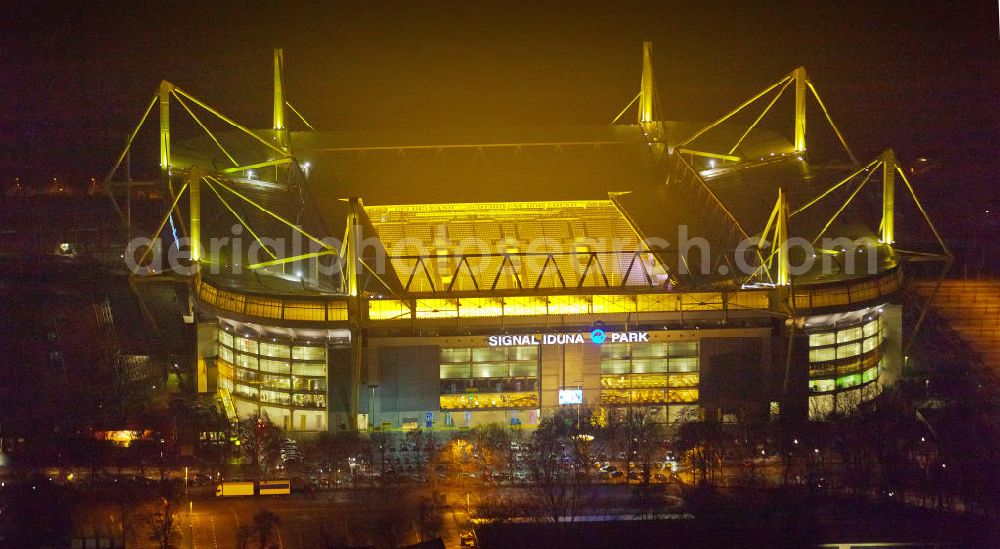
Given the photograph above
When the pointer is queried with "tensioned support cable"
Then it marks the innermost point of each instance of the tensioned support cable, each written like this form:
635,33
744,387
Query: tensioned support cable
240,219
231,122
272,214
923,212
760,117
873,166
627,107
843,142
843,206
302,118
209,132
131,137
736,110
163,223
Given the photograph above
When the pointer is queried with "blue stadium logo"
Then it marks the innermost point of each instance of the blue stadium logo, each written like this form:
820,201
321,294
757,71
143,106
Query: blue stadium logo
597,332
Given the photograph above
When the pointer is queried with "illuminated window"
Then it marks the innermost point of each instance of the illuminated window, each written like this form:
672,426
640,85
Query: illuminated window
246,361
822,339
274,366
822,385
645,366
523,369
308,353
683,364
246,345
456,371
872,328
849,334
684,348
870,343
849,350
870,374
489,370
524,352
615,367
278,350
822,355
307,369
848,381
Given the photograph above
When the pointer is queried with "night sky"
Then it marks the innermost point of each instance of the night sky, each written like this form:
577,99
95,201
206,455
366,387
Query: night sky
921,77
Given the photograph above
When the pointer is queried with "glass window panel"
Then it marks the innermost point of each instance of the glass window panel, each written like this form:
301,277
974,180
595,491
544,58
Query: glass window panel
649,365
684,364
524,352
822,385
246,375
246,361
646,381
644,350
848,381
524,369
822,355
489,369
245,390
455,371
682,395
870,343
246,345
849,350
821,339
488,354
226,339
301,352
871,328
455,355
684,380
225,353
614,382
648,396
279,350
849,334
275,397
271,381
684,348
869,375
274,366
614,350
614,366
306,369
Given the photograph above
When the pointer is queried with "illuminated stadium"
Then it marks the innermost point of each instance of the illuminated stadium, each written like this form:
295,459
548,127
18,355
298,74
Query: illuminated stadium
442,279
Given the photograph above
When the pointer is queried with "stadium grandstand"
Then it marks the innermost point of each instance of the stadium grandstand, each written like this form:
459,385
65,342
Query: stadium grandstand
445,279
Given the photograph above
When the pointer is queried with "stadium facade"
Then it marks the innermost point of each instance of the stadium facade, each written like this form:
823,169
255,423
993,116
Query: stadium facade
450,279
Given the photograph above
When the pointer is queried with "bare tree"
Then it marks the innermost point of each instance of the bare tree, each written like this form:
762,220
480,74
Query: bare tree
261,443
634,433
161,519
492,443
557,493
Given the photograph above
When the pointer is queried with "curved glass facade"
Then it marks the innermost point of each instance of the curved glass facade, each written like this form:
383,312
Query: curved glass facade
845,358
275,372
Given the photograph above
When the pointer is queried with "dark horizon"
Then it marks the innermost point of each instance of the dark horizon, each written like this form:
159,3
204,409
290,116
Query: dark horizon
78,76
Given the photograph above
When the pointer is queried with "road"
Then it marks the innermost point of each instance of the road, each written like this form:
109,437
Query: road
357,517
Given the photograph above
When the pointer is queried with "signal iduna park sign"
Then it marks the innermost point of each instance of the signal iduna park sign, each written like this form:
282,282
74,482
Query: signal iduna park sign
596,336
